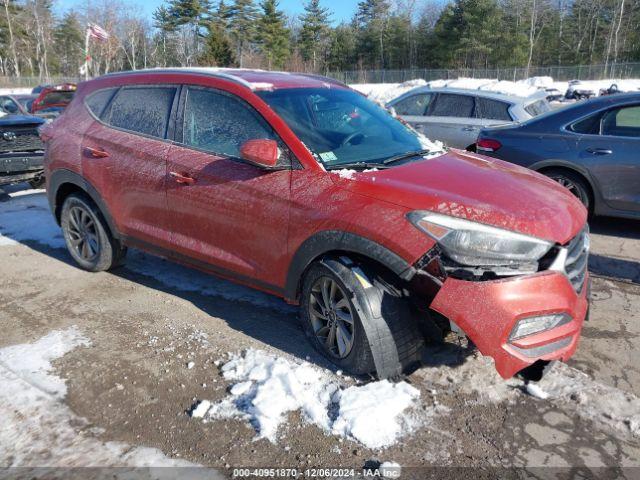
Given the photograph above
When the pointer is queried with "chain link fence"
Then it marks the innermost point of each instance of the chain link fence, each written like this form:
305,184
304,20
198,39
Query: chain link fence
559,73
30,82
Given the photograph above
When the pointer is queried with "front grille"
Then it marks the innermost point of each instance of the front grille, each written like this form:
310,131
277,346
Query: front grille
575,266
20,139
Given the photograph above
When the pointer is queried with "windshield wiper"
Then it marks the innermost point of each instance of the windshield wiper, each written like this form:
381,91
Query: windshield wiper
355,165
404,156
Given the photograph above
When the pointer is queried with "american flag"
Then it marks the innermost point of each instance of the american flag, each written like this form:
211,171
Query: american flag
97,32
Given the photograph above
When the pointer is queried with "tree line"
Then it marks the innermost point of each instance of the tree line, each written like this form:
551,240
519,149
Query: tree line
383,34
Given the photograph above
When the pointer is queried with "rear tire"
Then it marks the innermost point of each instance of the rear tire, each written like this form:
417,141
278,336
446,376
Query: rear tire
394,343
87,235
575,184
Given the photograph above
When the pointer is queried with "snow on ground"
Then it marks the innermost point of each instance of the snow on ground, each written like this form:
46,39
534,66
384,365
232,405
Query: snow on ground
37,428
25,216
590,399
267,388
384,92
15,91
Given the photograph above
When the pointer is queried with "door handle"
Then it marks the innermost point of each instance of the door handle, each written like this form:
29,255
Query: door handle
94,152
182,179
599,151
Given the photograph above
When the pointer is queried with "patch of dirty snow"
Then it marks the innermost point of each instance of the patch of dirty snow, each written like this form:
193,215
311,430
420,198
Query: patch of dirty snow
26,217
534,390
385,92
267,388
455,370
593,400
37,428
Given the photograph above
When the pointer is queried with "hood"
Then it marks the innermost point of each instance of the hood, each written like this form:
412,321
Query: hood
477,188
19,120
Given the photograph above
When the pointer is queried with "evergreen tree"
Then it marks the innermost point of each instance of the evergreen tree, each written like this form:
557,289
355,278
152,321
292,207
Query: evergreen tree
68,37
371,22
273,36
243,16
217,48
315,33
189,12
163,22
342,49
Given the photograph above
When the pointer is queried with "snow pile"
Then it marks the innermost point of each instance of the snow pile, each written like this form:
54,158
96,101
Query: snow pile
268,388
15,91
385,92
37,428
370,413
345,173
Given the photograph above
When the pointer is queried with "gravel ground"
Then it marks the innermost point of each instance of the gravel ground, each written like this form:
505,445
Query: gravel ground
147,321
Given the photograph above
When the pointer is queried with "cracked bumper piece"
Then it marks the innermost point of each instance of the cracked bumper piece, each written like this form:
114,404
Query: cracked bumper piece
488,313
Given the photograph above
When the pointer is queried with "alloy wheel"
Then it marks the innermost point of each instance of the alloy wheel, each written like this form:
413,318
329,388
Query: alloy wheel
331,317
83,234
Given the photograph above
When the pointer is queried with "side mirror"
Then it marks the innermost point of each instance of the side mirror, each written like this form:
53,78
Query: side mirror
261,152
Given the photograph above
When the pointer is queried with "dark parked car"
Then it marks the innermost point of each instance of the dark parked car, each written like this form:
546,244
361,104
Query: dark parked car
592,148
25,100
21,150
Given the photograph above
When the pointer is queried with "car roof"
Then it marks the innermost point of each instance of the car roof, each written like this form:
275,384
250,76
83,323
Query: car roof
476,92
252,78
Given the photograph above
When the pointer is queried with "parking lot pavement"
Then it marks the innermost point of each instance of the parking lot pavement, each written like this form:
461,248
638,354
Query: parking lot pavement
147,341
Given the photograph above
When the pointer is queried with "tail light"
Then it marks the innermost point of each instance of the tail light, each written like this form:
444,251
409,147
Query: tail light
487,145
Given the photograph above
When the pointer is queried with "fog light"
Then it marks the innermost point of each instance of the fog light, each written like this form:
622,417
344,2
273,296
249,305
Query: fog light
531,325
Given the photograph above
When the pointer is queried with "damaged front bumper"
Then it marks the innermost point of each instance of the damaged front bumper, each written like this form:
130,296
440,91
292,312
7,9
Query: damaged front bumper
488,312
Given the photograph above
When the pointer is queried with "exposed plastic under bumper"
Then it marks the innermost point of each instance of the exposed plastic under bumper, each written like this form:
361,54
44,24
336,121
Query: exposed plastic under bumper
488,311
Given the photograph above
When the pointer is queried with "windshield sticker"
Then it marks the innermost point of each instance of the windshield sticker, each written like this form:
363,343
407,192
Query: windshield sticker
328,157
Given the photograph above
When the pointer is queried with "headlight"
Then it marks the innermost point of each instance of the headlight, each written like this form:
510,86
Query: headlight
475,244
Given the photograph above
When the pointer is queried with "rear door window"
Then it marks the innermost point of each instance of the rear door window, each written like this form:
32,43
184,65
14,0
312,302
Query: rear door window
492,109
143,110
415,105
220,123
453,105
622,122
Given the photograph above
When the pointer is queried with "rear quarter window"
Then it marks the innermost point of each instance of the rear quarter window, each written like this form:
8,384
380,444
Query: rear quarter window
143,110
538,107
492,109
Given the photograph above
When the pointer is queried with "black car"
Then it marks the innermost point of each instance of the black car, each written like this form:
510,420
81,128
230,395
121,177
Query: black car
591,147
21,150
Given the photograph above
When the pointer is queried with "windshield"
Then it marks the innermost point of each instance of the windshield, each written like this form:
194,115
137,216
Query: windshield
341,126
60,98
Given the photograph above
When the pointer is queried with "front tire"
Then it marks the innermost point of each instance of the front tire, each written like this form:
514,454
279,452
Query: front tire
87,235
575,184
359,321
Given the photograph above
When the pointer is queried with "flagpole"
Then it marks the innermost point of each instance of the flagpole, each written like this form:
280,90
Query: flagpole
86,54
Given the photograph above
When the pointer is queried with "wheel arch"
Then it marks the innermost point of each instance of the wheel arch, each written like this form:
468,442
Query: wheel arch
337,243
65,182
546,166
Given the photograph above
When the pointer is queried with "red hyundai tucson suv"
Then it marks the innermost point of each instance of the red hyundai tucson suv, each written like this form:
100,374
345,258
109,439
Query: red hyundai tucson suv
301,187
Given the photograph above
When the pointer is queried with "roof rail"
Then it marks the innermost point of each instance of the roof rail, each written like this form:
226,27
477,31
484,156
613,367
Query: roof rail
209,72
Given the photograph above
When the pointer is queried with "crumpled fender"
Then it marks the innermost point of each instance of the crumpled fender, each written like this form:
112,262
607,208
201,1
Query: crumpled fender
487,312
